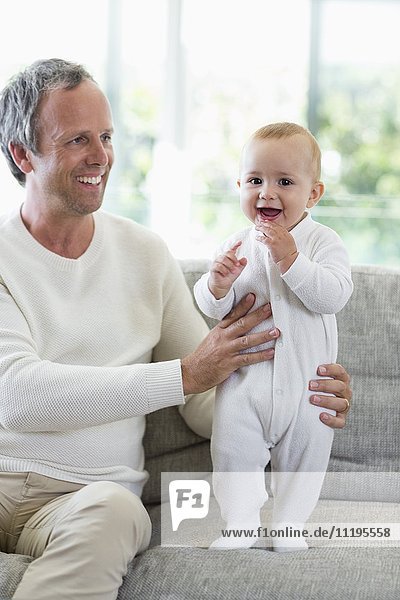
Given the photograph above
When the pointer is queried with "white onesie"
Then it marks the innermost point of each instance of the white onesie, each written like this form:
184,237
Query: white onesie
262,412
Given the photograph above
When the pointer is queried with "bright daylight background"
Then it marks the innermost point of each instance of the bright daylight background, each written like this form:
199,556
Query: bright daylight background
189,80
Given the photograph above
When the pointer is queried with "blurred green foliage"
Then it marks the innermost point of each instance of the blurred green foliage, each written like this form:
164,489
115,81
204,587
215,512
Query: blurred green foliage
359,118
358,125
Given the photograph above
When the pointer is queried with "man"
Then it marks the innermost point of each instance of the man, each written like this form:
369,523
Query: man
97,329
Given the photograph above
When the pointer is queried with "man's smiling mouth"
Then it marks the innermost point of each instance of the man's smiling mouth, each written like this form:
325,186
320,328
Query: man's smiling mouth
91,180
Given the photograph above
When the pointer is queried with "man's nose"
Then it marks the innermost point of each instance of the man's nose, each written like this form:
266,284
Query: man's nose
97,154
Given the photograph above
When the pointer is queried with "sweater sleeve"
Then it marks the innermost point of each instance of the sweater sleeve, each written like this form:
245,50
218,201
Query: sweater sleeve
322,282
40,395
183,329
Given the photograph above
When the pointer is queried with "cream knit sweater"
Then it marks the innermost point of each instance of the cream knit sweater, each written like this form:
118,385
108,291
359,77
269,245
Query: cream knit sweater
88,347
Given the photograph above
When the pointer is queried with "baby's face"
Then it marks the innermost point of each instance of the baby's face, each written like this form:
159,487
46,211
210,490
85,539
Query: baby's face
277,180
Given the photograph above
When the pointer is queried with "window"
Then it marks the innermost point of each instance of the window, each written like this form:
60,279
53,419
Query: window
243,70
358,125
189,82
44,29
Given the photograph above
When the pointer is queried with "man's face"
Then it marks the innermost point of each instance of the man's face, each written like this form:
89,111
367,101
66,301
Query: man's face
75,153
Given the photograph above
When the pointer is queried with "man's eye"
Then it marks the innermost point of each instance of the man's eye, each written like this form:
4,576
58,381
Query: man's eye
107,138
285,181
77,140
255,180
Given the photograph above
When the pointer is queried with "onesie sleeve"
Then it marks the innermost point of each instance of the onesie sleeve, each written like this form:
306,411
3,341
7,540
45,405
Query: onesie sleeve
322,281
208,304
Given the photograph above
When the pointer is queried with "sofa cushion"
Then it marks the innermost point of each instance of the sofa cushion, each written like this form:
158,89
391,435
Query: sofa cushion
256,574
323,574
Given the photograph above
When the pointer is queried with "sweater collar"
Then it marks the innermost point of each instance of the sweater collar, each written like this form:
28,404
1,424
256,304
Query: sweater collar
55,260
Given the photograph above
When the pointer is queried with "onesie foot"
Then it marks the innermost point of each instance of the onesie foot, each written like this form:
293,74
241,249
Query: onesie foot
288,537
289,545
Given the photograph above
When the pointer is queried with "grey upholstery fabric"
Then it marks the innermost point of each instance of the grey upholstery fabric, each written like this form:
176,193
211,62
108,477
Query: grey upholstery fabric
369,334
369,347
12,567
328,574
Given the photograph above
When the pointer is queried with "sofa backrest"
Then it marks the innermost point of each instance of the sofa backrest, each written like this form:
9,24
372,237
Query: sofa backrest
369,341
369,348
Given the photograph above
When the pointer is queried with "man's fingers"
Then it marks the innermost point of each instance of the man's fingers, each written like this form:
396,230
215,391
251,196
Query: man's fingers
249,321
336,422
334,370
238,311
254,339
251,358
330,386
340,405
241,321
338,385
339,401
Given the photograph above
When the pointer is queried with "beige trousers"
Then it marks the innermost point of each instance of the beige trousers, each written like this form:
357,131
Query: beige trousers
82,536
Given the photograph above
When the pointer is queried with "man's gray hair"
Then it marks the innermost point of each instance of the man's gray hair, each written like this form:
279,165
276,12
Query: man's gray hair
20,99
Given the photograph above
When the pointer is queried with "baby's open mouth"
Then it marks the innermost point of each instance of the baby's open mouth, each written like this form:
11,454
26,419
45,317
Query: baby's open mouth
268,214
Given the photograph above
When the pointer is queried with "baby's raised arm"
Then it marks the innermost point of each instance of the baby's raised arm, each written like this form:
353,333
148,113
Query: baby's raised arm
225,269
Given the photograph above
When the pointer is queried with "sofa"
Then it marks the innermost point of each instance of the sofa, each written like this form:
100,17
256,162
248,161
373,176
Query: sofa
362,484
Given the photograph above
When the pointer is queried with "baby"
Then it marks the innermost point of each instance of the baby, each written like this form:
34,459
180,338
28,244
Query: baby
262,413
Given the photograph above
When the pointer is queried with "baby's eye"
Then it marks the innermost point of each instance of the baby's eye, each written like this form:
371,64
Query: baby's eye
255,180
285,181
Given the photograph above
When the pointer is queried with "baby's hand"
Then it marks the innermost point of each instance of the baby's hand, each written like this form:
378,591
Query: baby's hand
280,244
224,271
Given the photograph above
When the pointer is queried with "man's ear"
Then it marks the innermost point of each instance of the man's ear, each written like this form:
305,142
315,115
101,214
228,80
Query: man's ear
316,194
21,156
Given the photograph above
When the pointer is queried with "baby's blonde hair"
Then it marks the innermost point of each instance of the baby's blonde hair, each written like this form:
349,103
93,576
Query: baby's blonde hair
286,130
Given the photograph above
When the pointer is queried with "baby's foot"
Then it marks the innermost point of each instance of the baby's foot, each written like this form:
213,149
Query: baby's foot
289,545
290,540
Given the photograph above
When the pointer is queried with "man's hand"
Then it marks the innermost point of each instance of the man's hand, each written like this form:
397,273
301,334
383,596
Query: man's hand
225,269
219,354
339,386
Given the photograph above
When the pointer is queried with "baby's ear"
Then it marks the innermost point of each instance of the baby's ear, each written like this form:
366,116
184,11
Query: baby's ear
316,194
